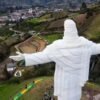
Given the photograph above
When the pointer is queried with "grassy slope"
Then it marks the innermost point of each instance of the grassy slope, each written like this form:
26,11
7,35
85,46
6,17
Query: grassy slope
52,37
93,32
8,91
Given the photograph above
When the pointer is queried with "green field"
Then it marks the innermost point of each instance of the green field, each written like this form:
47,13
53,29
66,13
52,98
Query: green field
51,37
36,20
8,91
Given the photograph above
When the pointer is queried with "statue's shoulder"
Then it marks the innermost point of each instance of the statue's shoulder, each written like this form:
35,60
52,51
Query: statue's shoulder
54,44
86,41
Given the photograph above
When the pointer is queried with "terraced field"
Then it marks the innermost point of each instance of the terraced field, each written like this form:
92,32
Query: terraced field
31,45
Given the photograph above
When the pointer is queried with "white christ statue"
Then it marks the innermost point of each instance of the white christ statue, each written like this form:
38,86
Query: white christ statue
71,55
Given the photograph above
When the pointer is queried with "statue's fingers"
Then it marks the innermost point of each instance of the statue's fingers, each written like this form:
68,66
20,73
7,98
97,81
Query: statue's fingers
12,57
18,53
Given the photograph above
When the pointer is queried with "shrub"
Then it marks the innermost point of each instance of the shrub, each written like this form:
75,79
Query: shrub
14,80
44,69
28,74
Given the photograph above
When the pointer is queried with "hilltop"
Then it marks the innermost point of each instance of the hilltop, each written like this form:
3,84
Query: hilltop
50,27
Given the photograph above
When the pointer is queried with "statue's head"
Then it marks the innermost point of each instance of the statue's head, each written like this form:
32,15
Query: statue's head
70,29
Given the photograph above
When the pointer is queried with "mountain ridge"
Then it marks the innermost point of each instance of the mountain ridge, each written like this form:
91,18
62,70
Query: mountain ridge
5,3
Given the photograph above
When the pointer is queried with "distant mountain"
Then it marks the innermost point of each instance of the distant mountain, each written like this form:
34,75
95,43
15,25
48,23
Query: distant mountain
10,3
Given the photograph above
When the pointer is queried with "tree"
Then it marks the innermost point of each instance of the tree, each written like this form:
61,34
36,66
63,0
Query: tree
83,8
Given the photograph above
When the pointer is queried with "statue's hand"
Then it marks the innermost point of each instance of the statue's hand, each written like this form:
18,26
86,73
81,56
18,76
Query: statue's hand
18,57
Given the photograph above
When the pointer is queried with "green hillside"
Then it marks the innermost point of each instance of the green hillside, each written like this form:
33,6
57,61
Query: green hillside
8,91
